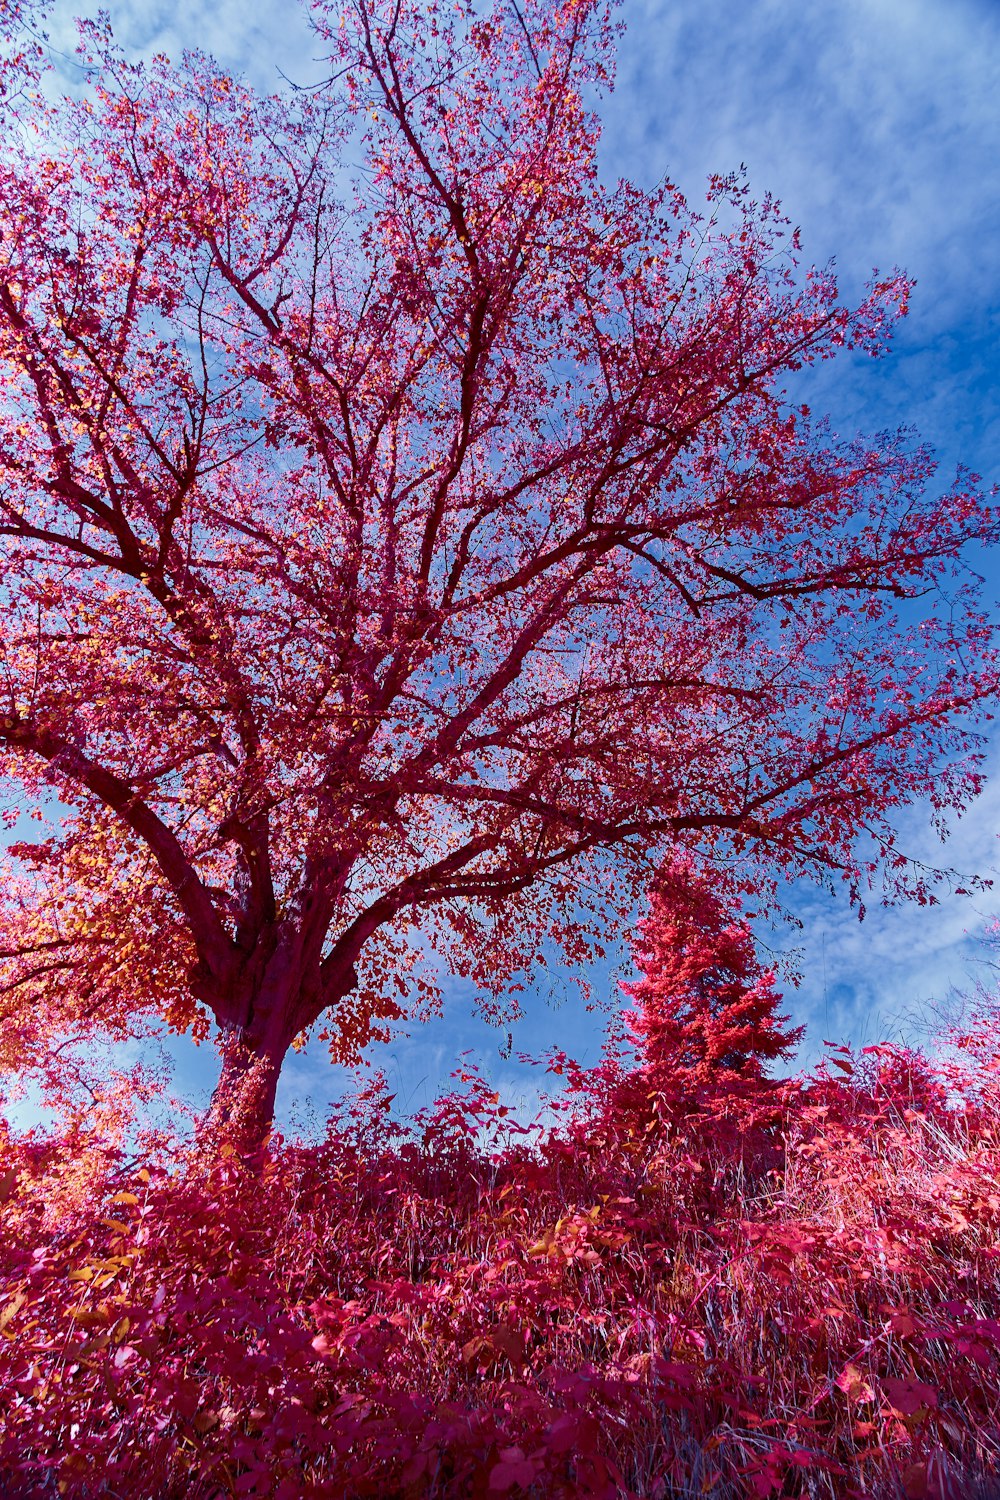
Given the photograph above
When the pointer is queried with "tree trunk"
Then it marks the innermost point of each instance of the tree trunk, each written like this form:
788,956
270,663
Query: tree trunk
242,1108
258,1025
280,997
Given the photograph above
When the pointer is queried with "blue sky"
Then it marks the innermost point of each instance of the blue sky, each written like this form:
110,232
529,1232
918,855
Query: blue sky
876,122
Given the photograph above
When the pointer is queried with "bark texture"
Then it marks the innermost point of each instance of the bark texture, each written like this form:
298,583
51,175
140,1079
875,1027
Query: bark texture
242,1107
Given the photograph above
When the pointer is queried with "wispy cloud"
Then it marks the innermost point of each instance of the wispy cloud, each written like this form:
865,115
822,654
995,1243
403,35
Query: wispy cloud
259,41
894,975
876,124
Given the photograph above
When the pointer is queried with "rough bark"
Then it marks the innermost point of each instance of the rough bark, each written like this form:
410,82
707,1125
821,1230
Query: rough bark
259,1022
242,1108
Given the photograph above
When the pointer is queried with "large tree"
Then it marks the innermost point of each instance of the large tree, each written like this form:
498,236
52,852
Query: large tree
408,540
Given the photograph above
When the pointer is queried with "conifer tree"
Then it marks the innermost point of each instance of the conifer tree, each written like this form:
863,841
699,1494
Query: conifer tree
706,1024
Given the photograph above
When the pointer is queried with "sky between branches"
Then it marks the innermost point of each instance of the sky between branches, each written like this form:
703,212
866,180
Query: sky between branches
875,122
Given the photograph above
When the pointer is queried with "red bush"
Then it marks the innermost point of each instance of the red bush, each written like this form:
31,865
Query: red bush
462,1310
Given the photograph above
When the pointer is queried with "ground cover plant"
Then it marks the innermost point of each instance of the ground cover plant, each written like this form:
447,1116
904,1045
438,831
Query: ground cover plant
412,564
734,1287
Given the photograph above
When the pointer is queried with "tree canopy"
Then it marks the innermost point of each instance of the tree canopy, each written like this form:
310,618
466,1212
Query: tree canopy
409,541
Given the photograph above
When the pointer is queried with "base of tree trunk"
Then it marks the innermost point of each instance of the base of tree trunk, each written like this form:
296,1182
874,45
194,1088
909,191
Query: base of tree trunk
242,1108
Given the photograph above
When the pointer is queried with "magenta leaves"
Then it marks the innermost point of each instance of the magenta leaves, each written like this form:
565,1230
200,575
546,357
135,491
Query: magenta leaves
631,1305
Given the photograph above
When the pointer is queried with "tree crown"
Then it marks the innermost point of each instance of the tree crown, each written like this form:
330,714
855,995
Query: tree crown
405,533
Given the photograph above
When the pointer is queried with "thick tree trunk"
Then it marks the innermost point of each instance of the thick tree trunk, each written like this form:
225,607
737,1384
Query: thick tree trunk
258,1025
280,996
242,1108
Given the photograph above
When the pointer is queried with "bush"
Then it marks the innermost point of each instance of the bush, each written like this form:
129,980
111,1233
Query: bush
620,1304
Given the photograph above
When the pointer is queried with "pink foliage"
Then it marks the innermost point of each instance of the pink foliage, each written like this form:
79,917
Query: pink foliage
398,571
706,1024
637,1301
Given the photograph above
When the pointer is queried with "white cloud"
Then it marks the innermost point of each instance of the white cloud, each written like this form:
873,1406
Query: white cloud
876,124
893,974
255,40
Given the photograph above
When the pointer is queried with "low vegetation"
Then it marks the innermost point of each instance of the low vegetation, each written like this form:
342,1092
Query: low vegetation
681,1283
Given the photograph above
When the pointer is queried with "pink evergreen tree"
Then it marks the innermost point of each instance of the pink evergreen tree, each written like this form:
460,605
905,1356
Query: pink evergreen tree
706,1023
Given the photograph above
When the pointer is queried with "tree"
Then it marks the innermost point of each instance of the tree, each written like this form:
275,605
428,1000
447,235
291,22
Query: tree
706,1023
408,562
